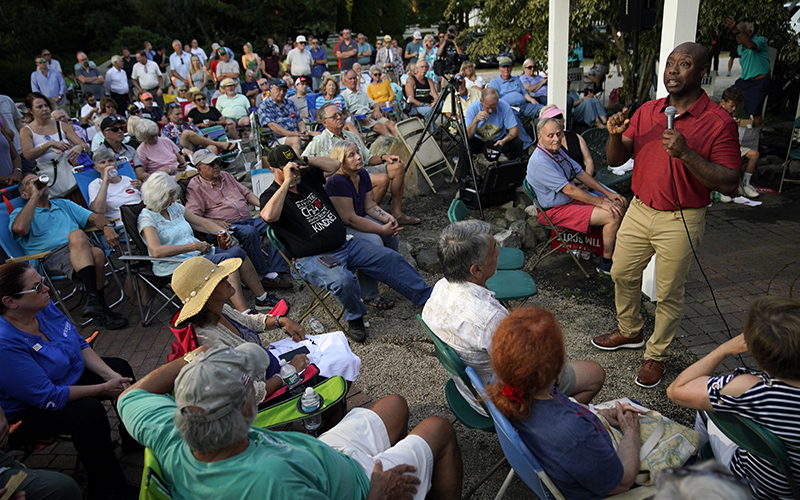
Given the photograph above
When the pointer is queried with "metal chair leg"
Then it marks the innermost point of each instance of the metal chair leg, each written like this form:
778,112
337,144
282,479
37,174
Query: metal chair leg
486,476
506,484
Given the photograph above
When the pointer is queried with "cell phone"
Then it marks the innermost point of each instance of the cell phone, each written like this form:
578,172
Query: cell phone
288,356
329,261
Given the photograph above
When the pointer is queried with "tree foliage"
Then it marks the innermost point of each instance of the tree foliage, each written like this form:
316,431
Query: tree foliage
595,24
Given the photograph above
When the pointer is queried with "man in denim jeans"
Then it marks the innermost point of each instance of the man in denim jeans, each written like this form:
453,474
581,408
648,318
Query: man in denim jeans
299,210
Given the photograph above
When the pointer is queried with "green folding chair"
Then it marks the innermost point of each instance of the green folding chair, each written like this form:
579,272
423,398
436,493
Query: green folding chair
462,410
319,295
562,234
758,441
154,485
509,259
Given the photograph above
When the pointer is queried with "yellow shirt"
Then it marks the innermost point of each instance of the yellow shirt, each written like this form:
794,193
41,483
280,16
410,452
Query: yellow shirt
380,92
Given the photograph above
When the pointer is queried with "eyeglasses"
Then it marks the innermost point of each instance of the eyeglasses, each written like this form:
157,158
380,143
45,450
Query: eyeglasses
42,61
46,54
147,99
335,115
115,129
376,75
173,105
528,67
36,289
302,43
198,99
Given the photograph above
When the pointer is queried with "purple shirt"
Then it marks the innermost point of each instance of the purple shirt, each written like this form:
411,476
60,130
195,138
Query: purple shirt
339,185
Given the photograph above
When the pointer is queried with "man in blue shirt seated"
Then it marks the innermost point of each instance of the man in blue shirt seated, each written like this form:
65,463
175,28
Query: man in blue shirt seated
513,92
281,116
56,226
206,447
491,121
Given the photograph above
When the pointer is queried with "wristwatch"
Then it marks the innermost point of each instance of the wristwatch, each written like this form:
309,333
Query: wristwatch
189,356
278,324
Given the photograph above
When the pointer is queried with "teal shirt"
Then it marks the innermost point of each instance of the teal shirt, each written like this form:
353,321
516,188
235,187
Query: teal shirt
274,465
754,62
364,60
50,228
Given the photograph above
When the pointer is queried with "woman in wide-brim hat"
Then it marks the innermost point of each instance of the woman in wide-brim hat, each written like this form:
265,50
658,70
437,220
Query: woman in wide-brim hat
204,291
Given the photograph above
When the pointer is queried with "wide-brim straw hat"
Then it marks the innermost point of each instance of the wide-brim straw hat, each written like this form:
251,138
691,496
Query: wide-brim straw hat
195,280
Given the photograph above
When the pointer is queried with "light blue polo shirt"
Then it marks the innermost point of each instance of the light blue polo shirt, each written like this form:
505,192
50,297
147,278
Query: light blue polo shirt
50,228
503,116
511,91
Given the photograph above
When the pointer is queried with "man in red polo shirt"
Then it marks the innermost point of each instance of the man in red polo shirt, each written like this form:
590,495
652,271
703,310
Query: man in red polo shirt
675,172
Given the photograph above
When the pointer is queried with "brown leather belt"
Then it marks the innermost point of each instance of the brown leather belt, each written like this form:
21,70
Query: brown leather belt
759,77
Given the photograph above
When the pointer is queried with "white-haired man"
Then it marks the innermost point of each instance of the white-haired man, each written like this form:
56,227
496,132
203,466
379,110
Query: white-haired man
206,446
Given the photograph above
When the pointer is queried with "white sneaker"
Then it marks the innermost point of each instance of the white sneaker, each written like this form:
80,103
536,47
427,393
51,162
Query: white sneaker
747,190
725,198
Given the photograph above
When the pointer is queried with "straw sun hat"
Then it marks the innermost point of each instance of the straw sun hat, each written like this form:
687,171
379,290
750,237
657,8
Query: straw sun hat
195,280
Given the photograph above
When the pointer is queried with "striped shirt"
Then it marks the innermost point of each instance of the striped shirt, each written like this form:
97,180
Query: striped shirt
774,405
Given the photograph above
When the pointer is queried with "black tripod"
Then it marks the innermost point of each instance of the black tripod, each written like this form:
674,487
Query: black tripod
451,91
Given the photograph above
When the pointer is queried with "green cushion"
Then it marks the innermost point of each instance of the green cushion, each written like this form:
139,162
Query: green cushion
511,285
457,211
510,259
464,412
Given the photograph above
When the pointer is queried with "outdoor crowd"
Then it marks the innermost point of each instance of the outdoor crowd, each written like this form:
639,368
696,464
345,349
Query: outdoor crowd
163,169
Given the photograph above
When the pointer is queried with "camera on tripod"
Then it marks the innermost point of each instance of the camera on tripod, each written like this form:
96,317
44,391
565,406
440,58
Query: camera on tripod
450,62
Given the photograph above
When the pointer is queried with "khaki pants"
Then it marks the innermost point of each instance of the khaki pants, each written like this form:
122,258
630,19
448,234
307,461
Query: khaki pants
645,231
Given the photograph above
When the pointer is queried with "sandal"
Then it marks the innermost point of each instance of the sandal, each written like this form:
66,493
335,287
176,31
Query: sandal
230,147
380,303
405,220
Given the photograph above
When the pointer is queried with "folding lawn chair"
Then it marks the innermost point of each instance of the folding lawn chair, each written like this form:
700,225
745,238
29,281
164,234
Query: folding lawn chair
462,410
524,464
16,253
319,295
564,235
429,159
140,265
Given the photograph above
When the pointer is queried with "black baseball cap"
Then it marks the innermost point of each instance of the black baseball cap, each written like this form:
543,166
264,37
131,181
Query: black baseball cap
279,82
110,121
283,154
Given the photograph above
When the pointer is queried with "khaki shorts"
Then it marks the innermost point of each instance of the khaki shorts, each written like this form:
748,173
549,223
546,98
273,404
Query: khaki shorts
362,436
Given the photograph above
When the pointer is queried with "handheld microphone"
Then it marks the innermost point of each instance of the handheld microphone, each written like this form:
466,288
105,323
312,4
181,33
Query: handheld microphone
671,111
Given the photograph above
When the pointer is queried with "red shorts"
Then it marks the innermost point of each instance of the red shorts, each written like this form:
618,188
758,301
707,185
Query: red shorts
574,215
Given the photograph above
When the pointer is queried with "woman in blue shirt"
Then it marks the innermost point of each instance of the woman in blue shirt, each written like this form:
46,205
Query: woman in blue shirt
52,381
573,447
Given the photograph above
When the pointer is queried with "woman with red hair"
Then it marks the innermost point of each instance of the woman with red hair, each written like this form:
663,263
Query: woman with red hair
568,439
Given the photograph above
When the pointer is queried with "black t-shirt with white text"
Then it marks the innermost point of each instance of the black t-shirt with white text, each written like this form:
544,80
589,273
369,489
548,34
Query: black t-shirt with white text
308,225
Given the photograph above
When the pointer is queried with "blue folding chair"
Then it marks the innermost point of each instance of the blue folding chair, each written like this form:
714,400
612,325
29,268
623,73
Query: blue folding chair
16,253
522,461
85,177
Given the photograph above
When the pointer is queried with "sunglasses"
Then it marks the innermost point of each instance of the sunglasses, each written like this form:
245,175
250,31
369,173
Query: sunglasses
35,289
148,99
115,129
528,67
173,105
46,54
198,99
41,62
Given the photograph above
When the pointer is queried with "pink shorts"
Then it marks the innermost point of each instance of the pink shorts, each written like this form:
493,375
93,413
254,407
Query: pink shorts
574,215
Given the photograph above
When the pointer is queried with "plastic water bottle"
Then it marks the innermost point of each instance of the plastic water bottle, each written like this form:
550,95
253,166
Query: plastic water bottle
310,402
315,325
289,374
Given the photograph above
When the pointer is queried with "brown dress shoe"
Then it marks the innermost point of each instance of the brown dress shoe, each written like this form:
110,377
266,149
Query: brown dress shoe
651,373
275,283
615,340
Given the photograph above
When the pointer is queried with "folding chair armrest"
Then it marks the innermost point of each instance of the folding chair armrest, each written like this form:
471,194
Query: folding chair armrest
332,391
23,258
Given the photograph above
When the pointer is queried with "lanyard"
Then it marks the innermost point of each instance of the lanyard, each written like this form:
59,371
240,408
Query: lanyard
558,162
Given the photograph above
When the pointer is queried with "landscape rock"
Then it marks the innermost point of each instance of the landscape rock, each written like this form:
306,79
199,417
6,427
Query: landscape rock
405,250
523,200
498,224
794,168
541,233
531,211
525,233
514,214
508,205
508,239
428,260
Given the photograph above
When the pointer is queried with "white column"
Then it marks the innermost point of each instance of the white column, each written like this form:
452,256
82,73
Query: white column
679,25
557,52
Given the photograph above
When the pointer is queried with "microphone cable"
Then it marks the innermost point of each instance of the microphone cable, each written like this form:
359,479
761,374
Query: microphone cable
696,258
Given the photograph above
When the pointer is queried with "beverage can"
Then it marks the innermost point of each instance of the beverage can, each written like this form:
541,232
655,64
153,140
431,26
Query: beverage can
316,325
222,239
42,181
